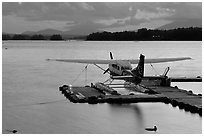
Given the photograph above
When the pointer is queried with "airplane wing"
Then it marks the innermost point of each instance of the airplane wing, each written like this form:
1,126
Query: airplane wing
160,60
135,61
87,61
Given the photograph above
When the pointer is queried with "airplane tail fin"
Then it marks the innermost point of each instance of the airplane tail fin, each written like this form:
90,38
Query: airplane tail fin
139,70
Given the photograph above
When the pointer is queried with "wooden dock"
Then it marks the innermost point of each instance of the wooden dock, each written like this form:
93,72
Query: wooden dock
177,97
182,98
93,95
184,79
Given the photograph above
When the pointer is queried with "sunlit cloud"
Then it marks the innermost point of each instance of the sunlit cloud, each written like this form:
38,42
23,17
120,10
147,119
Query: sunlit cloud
86,6
130,9
109,22
149,25
160,13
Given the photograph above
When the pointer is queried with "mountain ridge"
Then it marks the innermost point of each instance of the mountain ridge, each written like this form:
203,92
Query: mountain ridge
182,23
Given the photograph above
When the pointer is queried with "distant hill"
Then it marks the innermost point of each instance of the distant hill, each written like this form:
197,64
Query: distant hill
78,30
74,32
44,32
49,32
85,29
182,24
29,32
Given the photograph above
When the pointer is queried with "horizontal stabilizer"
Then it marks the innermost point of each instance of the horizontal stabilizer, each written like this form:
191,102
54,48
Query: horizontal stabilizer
121,77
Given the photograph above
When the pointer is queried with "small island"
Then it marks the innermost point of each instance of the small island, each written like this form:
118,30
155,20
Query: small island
54,37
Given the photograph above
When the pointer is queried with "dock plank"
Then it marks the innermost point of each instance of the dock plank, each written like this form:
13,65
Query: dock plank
86,91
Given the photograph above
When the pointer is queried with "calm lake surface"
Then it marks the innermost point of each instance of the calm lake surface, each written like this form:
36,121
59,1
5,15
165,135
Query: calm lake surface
31,102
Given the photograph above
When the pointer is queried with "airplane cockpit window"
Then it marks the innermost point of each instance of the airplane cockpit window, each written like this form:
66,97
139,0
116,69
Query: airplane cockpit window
126,68
116,66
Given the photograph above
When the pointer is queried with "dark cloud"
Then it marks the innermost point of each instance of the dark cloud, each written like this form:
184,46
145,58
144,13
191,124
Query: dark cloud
9,8
102,14
33,11
37,11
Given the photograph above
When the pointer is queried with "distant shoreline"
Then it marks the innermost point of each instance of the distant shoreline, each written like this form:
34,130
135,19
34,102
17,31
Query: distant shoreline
179,34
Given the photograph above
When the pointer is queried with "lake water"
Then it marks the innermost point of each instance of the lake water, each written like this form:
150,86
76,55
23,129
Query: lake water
31,102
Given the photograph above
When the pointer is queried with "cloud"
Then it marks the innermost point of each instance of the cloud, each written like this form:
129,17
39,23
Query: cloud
130,9
149,25
99,14
189,10
9,8
71,23
86,6
13,24
83,11
112,21
160,13
39,11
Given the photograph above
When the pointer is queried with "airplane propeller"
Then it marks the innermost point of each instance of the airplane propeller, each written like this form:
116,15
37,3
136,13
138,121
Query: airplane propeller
111,57
106,71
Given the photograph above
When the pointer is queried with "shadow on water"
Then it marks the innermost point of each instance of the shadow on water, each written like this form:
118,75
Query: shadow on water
137,113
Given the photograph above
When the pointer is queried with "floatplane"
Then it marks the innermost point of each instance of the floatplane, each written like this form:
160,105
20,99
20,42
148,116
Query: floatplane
122,69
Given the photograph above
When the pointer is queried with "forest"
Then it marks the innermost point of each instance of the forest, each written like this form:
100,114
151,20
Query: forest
179,34
144,34
55,37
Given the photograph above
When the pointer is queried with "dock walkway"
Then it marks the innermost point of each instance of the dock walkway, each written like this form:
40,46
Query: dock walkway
93,95
177,97
182,98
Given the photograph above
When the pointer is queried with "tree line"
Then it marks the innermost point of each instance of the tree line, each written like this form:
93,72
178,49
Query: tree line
55,37
179,34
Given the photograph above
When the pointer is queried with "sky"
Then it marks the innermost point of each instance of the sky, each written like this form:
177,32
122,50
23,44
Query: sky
84,17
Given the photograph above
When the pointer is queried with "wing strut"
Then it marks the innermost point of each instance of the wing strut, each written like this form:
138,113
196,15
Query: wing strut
110,80
101,68
86,69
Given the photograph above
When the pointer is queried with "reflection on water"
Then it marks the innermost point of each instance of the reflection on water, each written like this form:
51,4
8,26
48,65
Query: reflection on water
123,111
196,87
31,102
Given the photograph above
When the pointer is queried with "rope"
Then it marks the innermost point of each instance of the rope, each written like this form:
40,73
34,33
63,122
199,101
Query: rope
86,74
79,74
154,69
